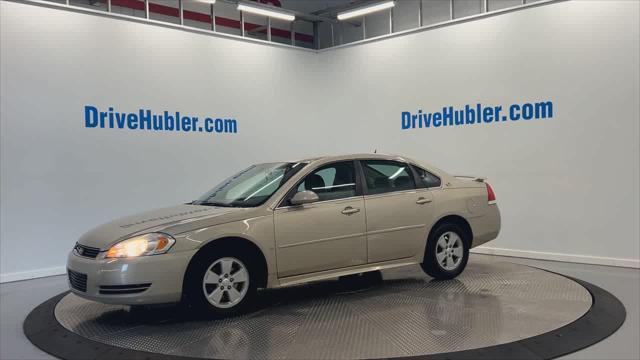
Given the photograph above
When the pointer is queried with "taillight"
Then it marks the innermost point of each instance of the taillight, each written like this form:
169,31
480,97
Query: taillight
491,196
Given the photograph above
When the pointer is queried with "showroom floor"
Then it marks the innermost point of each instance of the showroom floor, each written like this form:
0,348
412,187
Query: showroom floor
18,298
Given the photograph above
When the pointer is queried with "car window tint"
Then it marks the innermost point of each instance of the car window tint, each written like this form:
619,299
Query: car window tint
428,179
330,182
387,176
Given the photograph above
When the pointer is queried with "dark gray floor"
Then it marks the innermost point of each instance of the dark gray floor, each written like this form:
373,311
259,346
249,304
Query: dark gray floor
389,314
18,298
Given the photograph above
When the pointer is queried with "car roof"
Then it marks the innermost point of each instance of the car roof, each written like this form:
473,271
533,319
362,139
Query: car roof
353,157
321,160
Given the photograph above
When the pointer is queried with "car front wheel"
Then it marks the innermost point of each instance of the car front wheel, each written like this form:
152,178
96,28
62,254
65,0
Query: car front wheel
221,284
447,252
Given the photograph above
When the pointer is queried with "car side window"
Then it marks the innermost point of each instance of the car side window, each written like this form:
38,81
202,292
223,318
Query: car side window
426,178
384,176
331,182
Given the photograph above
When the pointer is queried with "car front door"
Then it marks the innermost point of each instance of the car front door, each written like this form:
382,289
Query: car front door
397,210
327,234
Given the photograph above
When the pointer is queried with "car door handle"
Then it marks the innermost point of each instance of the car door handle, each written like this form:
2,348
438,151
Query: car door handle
349,210
422,200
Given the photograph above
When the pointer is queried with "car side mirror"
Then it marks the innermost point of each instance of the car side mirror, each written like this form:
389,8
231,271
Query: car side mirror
304,197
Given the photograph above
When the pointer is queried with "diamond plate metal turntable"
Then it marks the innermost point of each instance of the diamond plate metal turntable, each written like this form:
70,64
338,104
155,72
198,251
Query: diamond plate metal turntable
396,313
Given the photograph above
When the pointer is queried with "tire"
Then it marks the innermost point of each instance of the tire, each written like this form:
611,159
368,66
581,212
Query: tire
447,252
221,284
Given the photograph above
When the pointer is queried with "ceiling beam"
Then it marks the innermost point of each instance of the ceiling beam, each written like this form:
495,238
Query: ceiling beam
299,15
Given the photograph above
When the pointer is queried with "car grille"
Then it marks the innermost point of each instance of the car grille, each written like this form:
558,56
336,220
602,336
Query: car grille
86,251
77,280
123,289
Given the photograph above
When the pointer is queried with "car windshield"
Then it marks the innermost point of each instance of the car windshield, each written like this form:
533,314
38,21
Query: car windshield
251,186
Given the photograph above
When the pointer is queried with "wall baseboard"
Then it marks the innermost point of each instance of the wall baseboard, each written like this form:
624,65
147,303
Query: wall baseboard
538,255
32,274
572,258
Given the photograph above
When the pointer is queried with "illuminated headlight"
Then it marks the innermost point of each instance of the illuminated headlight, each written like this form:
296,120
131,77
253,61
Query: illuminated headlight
143,245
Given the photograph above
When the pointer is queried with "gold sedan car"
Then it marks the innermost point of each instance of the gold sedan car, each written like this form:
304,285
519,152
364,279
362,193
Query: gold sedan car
279,224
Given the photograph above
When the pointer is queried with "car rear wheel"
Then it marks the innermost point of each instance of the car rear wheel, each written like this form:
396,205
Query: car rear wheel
221,284
447,252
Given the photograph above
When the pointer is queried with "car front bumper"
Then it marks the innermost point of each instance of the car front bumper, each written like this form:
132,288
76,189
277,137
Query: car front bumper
155,279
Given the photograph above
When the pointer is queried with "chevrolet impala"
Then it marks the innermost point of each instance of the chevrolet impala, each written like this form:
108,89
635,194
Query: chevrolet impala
279,224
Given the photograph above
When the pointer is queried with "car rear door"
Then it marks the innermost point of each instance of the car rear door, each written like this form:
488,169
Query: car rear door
397,210
327,234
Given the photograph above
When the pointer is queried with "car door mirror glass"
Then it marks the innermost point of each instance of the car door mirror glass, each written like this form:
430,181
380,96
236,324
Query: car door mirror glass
304,197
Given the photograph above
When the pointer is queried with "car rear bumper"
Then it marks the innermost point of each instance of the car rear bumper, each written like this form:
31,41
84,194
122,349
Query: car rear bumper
487,227
153,279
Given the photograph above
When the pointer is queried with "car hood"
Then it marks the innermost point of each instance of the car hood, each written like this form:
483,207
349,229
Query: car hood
105,235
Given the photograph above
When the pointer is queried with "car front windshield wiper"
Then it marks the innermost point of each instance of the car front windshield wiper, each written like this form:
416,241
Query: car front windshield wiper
213,203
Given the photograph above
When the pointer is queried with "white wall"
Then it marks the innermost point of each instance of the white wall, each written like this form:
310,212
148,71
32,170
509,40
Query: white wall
58,178
566,186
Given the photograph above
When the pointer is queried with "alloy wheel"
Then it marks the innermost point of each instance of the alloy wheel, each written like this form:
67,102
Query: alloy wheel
226,282
449,250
